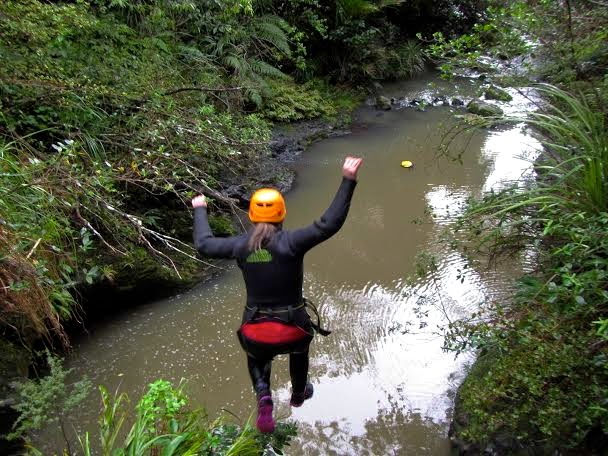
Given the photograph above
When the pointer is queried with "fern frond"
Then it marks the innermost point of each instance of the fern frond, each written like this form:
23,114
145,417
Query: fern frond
194,54
349,9
271,29
225,42
265,69
237,63
254,96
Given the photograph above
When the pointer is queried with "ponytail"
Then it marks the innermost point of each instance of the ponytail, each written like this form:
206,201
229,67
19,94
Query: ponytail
260,235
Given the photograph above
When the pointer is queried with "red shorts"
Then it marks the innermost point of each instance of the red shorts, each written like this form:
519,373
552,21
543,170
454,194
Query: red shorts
272,332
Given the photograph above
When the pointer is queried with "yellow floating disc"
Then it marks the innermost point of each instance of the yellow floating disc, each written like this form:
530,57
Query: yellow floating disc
407,164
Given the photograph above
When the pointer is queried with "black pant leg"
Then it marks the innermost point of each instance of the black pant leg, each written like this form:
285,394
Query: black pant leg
259,372
298,370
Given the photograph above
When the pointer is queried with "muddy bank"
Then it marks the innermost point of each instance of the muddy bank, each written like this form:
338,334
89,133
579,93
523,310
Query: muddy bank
276,169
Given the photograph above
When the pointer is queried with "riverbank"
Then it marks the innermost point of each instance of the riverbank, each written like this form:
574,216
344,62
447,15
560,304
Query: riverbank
539,383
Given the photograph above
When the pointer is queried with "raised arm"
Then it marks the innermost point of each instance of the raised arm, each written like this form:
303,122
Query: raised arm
204,241
303,239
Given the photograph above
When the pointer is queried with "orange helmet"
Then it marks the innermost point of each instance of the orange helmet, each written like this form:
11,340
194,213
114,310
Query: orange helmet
267,205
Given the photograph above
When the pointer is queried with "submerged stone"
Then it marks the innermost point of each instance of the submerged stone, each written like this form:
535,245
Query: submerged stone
481,108
383,102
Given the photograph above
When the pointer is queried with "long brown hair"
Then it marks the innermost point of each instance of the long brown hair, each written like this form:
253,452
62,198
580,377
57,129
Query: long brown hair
261,234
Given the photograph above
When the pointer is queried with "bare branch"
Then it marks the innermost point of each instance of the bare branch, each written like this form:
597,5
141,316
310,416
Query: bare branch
168,241
203,89
97,233
33,248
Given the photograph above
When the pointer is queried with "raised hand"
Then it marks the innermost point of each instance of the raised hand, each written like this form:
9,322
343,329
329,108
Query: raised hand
199,201
350,167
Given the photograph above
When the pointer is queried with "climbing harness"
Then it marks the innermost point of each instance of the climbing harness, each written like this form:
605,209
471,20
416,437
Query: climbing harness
285,314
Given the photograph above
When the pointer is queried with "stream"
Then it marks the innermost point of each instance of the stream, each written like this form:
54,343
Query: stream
383,383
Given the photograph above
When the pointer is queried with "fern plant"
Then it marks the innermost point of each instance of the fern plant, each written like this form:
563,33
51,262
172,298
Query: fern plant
246,51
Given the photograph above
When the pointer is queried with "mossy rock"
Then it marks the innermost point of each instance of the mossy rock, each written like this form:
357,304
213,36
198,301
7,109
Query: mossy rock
481,108
383,102
140,269
496,93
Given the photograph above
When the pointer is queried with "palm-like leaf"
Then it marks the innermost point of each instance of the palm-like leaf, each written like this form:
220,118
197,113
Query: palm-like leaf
271,29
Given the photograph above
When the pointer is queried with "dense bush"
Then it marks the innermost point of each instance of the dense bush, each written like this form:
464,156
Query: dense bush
541,377
93,142
560,42
356,40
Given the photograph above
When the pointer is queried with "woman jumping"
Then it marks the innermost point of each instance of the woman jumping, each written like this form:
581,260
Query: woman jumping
275,320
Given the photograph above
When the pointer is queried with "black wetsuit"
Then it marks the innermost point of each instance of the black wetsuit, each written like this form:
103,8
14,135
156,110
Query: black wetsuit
273,278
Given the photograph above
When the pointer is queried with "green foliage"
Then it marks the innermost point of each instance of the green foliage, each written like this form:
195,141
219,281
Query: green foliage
353,41
37,273
537,388
163,424
221,225
103,144
353,9
572,35
374,53
501,36
47,400
294,102
542,372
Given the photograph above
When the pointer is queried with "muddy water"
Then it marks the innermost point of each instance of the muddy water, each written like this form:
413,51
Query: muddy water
383,385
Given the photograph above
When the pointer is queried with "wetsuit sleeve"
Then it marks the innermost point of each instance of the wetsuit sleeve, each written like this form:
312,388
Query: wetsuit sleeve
207,244
303,239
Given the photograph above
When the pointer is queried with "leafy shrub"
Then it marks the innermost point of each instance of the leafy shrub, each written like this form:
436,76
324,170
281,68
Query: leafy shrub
500,36
103,144
46,400
375,52
162,421
164,425
542,375
293,102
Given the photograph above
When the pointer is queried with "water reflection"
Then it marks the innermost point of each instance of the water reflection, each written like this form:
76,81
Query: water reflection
511,154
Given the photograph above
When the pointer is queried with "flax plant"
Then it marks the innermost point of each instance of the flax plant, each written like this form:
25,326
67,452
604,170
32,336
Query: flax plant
571,175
